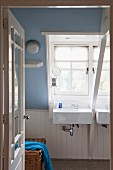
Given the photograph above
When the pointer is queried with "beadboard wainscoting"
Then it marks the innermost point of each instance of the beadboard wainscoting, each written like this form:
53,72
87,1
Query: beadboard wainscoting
63,146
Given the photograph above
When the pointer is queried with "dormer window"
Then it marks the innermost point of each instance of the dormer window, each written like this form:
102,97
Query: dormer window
77,59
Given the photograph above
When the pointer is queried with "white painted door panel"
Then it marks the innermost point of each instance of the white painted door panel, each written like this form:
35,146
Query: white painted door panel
19,166
14,98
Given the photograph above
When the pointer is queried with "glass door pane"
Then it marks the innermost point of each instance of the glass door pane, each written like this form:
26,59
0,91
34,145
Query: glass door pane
16,81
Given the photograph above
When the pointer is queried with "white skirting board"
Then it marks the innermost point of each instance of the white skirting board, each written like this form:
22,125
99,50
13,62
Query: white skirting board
60,144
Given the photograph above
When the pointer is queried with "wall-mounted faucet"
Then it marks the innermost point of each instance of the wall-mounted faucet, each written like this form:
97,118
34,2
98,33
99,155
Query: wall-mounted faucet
76,106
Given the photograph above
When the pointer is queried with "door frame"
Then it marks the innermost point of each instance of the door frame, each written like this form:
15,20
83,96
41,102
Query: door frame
1,89
53,3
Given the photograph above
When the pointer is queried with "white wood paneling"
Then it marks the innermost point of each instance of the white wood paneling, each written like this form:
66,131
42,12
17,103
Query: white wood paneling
79,142
60,144
106,139
31,124
63,143
85,141
100,141
95,143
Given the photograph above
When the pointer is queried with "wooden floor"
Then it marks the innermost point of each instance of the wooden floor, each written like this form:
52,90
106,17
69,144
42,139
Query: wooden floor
81,165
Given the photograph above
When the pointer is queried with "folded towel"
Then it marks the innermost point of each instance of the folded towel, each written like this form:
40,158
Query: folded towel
29,145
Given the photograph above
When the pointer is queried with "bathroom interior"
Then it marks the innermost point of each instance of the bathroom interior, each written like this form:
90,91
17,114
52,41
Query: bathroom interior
67,83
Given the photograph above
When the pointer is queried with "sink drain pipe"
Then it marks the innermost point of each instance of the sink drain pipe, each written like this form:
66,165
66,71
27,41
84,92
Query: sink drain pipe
70,130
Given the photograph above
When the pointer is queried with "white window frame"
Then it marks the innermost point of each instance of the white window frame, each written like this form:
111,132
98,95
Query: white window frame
50,43
51,64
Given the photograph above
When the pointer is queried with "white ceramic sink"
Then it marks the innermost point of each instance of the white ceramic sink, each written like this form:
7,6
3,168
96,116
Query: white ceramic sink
72,116
102,116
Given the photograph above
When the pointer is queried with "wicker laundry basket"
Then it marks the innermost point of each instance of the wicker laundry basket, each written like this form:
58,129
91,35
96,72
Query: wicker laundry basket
33,159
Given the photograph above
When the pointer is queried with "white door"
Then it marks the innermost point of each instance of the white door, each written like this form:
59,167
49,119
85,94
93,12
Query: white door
14,98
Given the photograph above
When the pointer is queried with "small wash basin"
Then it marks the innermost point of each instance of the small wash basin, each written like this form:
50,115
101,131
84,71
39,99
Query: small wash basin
72,116
102,116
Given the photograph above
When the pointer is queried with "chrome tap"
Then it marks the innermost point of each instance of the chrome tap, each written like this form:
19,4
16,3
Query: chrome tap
76,106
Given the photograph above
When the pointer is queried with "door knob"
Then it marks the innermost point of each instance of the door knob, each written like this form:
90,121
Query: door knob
26,117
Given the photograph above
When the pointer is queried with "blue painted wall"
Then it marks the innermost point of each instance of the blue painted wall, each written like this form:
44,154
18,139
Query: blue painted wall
35,20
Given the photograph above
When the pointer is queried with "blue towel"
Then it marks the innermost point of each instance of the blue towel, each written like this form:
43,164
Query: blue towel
29,145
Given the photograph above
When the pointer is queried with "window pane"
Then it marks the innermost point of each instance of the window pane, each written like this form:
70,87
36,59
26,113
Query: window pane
106,54
64,82
104,83
63,53
73,61
80,82
79,65
96,51
63,65
71,53
79,53
106,65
